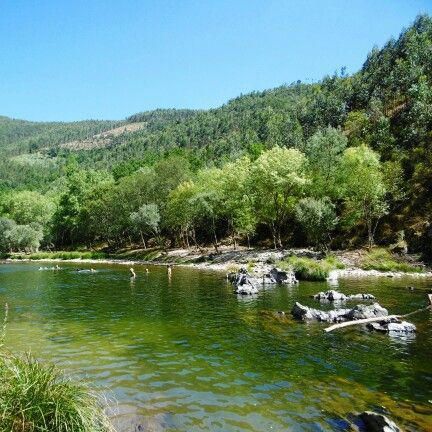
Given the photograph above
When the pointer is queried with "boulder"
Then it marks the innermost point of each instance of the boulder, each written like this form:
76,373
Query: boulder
366,311
306,313
378,422
243,282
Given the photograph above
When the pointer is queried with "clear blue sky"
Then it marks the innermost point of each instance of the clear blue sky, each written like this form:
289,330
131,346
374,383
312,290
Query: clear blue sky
71,60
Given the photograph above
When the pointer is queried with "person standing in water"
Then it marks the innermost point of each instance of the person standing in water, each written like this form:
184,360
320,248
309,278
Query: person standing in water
132,273
169,271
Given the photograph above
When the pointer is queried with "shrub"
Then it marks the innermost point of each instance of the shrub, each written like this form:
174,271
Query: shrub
382,260
63,255
311,269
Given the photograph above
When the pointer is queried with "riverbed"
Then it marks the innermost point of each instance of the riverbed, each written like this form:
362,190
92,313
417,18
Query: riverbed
187,354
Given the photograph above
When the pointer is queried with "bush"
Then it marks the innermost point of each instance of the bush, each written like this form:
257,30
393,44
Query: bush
382,260
38,398
311,269
63,255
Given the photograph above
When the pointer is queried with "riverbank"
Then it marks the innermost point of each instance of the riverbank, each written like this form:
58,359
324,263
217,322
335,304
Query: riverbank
343,264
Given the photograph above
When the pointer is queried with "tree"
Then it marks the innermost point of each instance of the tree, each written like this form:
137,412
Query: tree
318,219
179,213
146,220
324,151
237,203
6,226
363,188
25,237
25,207
276,182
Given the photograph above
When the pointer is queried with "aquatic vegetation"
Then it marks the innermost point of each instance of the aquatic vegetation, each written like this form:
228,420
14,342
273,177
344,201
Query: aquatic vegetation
39,398
35,397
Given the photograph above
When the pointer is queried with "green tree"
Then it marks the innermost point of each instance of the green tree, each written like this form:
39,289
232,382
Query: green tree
146,220
277,181
364,191
318,219
324,151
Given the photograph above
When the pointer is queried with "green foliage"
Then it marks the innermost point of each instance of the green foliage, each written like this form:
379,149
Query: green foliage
311,269
318,219
61,255
39,398
277,181
363,188
382,260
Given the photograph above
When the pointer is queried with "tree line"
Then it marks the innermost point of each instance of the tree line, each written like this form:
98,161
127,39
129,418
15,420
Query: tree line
283,196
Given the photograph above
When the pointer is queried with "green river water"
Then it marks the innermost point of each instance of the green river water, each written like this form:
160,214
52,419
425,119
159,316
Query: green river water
189,355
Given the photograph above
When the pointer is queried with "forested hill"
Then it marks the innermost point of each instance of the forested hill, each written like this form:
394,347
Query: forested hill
386,106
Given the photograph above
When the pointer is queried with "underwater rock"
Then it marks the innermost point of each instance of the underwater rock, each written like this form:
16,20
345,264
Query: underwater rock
378,422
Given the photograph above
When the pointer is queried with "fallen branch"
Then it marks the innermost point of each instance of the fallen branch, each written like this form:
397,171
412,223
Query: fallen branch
375,319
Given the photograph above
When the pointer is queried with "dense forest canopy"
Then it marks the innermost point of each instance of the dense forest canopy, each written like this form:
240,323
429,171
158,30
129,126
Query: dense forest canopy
338,163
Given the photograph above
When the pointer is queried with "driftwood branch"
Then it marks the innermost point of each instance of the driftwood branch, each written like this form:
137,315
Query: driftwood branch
375,319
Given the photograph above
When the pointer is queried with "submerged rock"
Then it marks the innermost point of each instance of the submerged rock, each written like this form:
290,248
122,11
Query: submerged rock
361,297
378,422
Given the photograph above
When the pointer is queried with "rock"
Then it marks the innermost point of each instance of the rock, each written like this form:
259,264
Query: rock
378,422
366,311
282,277
247,289
361,297
331,295
243,282
401,327
393,325
305,313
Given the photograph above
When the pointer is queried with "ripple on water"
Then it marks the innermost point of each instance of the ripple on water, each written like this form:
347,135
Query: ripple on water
190,355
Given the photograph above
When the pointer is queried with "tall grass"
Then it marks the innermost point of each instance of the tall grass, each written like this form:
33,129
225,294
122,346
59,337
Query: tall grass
311,269
382,260
40,398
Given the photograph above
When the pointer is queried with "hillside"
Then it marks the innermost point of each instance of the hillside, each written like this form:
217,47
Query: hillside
387,106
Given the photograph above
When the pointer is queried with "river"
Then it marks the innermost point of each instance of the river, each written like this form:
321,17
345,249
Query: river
187,354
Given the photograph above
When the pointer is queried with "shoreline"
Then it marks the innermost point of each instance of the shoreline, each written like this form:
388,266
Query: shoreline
230,261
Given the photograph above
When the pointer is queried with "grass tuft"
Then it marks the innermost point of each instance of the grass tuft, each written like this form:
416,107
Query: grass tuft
382,260
39,398
311,269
